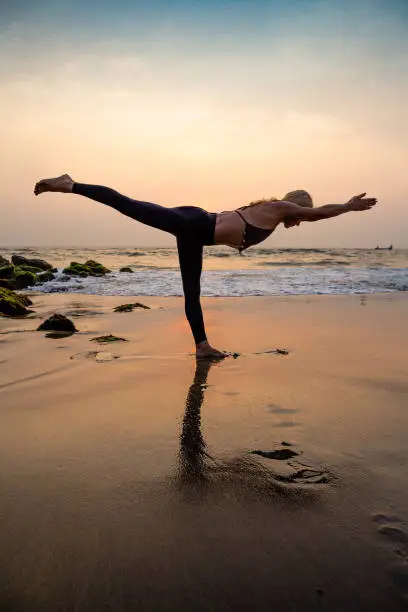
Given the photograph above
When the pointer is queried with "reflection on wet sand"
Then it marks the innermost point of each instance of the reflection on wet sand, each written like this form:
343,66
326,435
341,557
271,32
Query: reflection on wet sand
192,444
244,473
93,518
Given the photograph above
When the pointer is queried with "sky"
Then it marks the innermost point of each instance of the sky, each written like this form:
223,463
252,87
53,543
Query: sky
210,103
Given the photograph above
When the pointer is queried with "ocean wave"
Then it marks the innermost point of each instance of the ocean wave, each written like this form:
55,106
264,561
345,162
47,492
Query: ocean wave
130,253
281,280
321,262
291,251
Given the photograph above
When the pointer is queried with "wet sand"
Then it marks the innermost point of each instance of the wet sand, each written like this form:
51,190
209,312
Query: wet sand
133,478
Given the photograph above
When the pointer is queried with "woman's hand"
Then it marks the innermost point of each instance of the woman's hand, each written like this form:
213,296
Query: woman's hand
359,202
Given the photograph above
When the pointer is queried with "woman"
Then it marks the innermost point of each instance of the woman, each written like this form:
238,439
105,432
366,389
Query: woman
193,228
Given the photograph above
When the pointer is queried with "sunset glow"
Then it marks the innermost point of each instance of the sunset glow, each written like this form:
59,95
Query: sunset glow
205,103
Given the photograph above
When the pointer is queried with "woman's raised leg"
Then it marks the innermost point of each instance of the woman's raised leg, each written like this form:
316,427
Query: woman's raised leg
154,215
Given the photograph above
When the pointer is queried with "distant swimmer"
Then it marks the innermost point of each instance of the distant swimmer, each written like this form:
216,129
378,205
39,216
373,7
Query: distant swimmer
194,228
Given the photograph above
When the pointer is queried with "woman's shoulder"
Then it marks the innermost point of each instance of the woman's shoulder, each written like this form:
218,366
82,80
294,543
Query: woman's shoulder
265,202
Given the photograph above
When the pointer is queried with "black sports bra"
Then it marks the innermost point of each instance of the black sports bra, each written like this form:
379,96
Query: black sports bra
252,234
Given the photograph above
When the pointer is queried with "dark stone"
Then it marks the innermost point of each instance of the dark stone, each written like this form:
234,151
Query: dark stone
75,269
12,304
57,322
126,269
7,271
3,261
279,454
19,260
24,299
7,283
33,269
97,269
89,268
24,279
45,277
130,307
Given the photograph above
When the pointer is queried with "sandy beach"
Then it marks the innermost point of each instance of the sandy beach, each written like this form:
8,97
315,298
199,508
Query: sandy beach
129,479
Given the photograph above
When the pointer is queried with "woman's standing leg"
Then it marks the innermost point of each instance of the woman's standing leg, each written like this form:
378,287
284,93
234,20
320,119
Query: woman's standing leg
191,262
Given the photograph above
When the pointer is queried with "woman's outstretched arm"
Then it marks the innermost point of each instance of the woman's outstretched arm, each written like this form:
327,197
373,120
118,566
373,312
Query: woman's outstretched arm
290,210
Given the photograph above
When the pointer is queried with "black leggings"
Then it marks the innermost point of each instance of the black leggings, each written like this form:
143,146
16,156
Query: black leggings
193,228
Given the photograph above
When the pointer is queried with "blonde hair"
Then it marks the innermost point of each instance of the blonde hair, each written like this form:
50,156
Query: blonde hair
257,202
299,197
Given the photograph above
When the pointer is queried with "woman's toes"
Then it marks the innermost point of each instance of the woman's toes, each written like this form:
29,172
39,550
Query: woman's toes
61,184
40,186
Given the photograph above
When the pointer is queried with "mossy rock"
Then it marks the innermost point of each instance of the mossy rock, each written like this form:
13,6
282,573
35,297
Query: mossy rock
24,299
19,260
7,283
130,307
126,269
108,339
7,271
44,277
75,269
24,279
3,261
33,269
59,323
12,304
97,268
89,268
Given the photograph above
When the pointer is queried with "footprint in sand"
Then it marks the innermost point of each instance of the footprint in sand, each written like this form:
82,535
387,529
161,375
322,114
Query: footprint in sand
103,356
394,534
98,356
394,530
280,413
399,576
83,312
276,409
308,476
294,471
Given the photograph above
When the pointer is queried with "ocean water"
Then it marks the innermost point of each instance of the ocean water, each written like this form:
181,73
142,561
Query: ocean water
260,271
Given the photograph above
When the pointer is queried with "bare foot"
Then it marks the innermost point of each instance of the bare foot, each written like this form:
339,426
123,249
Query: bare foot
63,184
206,351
